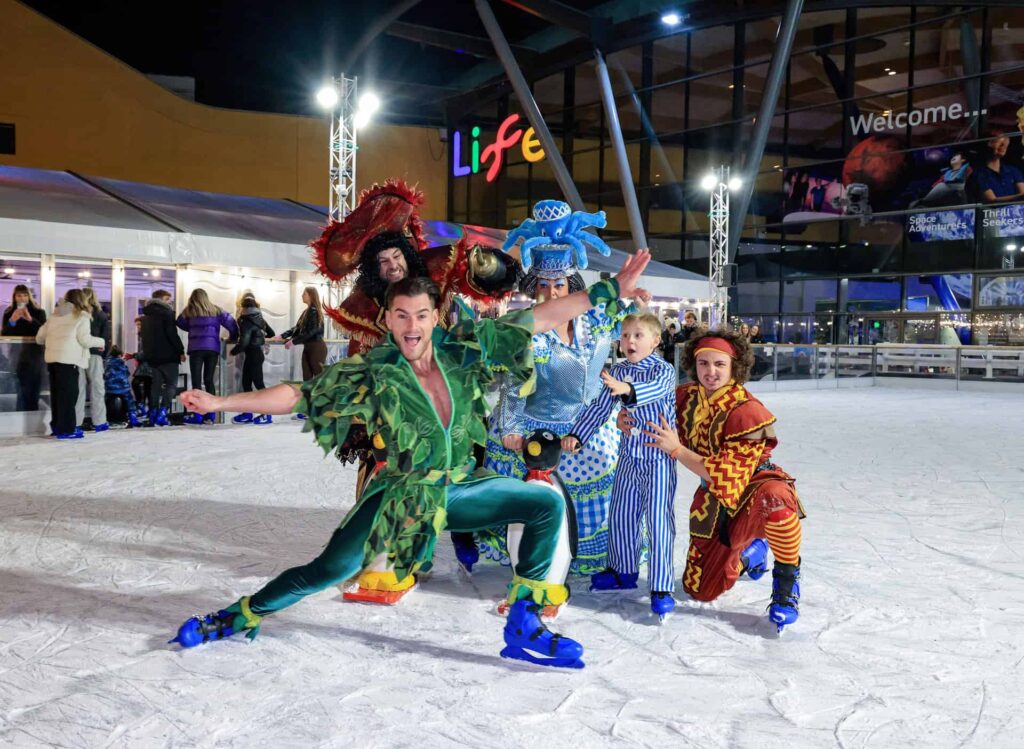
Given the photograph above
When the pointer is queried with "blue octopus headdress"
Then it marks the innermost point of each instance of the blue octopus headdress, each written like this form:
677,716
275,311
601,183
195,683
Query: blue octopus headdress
554,240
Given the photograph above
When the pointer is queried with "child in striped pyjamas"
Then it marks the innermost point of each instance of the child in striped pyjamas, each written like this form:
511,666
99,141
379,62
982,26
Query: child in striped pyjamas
645,481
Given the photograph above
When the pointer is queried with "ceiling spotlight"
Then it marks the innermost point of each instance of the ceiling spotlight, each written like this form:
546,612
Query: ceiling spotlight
709,181
155,273
327,97
8,271
892,72
671,19
1009,248
735,183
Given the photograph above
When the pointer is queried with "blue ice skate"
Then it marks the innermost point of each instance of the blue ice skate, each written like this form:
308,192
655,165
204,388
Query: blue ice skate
194,419
104,427
263,419
210,418
465,550
158,417
755,559
133,420
217,626
784,608
662,604
527,639
612,580
243,418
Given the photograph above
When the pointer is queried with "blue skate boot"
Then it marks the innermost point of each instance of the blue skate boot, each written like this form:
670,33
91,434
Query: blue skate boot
527,639
755,559
104,427
662,604
194,418
217,626
243,418
612,580
133,420
263,419
784,608
211,418
465,550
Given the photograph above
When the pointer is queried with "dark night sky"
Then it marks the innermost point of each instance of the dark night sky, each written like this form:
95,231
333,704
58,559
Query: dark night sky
271,56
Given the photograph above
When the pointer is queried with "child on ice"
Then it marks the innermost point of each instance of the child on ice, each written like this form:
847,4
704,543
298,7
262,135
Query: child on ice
645,481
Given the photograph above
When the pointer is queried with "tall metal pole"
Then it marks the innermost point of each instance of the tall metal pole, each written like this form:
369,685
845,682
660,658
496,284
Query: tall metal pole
519,85
343,146
636,225
765,115
718,249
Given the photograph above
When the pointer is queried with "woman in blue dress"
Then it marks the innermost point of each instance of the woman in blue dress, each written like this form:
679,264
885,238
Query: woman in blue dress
567,364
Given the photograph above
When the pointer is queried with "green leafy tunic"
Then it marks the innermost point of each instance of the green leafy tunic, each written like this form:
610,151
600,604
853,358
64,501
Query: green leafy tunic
379,388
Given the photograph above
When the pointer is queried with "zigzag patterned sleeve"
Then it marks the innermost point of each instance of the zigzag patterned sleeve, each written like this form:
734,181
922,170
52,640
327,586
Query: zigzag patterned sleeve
731,469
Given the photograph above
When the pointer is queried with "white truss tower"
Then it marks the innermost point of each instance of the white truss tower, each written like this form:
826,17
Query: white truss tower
718,249
343,146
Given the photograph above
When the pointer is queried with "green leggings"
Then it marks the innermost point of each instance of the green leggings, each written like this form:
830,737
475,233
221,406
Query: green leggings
471,507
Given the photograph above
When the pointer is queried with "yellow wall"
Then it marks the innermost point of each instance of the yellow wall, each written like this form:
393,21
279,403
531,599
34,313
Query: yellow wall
75,107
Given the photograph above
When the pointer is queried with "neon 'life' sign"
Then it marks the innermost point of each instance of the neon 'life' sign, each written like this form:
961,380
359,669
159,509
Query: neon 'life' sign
493,156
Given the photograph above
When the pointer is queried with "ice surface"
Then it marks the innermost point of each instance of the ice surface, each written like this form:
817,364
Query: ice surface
911,633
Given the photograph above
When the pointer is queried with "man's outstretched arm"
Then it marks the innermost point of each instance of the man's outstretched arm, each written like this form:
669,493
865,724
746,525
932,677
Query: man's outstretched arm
552,313
280,399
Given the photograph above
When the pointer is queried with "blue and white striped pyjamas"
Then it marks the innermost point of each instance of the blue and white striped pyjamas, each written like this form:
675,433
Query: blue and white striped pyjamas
645,480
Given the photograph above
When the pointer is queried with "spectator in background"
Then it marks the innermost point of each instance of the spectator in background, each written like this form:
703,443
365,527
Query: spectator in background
668,342
755,335
689,325
202,320
99,327
117,385
24,318
162,350
67,341
142,379
999,182
744,330
309,332
253,332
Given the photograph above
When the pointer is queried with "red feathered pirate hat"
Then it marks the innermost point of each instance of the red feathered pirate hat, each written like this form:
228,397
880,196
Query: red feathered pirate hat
391,207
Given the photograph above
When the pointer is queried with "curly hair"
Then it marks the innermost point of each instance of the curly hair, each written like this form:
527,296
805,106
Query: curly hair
369,279
742,363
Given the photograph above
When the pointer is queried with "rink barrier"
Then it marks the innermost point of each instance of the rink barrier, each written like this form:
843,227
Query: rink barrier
778,367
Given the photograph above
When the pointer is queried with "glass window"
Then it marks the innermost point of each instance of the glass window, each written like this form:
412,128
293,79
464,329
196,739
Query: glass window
809,296
70,274
15,272
946,292
755,296
1001,291
139,285
1003,329
1002,237
873,294
1007,30
873,247
669,58
798,329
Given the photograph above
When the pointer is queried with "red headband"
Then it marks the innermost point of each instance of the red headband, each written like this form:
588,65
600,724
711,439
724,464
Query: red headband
714,343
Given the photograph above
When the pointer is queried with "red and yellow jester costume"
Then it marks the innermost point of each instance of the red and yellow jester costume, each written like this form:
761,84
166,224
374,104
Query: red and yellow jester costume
748,497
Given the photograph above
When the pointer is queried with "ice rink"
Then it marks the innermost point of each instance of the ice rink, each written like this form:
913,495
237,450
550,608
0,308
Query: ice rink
911,630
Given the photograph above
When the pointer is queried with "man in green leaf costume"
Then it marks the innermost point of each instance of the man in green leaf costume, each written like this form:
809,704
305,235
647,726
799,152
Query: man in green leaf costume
421,395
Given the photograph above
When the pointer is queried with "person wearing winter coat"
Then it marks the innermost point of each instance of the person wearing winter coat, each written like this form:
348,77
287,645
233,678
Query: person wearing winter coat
117,382
24,318
67,340
162,350
202,320
253,332
99,327
309,331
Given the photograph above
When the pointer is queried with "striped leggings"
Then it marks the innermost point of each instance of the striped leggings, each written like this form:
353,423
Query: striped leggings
644,489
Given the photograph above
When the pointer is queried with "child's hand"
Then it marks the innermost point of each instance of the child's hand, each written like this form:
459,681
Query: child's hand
625,422
571,444
618,387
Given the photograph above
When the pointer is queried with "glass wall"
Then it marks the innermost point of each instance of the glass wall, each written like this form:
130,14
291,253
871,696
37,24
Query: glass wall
896,151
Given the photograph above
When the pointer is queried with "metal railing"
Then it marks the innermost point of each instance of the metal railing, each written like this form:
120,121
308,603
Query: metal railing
858,365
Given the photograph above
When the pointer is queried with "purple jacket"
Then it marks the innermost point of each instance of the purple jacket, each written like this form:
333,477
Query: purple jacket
204,332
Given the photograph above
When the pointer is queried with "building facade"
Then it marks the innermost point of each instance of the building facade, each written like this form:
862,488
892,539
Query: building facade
888,206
